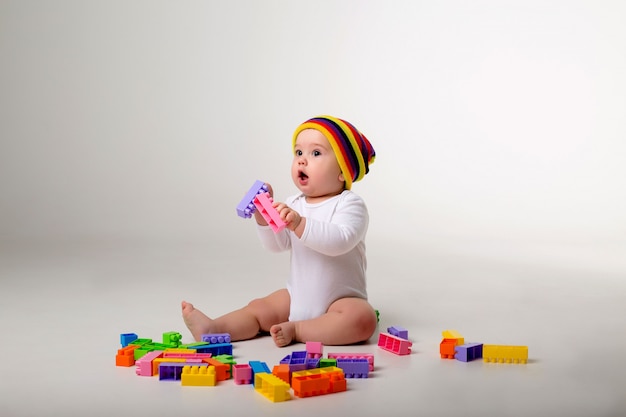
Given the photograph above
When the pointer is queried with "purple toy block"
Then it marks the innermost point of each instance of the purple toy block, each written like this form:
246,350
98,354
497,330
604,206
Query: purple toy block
171,371
216,338
368,356
354,368
398,331
468,352
246,206
297,362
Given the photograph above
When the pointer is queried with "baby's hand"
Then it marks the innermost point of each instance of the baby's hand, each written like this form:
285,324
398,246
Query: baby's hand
291,217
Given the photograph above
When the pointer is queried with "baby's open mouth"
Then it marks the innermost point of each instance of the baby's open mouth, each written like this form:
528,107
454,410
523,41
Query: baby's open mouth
302,175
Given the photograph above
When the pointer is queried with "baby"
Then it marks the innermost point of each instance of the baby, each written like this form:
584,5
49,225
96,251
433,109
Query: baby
325,299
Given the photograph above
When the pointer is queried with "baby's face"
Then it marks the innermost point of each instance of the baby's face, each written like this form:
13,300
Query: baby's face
315,169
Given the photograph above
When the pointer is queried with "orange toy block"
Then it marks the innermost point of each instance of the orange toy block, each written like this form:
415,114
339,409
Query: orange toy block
282,371
318,381
126,356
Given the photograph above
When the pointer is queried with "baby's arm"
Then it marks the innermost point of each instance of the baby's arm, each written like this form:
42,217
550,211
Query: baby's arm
292,218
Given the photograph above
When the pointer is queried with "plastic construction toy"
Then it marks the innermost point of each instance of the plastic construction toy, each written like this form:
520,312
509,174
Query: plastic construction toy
505,354
216,338
394,344
172,371
318,381
242,374
314,349
271,387
246,206
368,356
127,338
398,331
198,376
263,203
354,368
468,352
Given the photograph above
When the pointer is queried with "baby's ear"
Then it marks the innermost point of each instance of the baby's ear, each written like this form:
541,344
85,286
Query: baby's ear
341,178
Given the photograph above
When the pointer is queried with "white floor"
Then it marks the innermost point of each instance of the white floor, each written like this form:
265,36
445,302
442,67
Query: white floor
64,307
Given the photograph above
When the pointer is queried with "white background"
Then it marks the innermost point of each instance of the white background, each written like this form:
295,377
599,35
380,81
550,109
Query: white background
129,131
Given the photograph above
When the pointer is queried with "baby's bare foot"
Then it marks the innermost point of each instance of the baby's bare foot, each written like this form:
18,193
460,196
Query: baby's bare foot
197,322
283,333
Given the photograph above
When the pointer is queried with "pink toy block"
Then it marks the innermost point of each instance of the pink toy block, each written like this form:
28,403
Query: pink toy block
246,206
314,349
242,374
144,364
394,344
263,203
368,356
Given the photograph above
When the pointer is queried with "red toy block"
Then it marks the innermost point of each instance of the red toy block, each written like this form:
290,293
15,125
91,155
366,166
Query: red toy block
395,344
263,203
126,356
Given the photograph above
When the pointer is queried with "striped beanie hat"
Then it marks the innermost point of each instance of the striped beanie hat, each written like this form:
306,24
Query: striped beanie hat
352,149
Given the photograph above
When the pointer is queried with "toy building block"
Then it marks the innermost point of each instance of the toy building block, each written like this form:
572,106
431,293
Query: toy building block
216,338
222,370
325,362
505,354
126,356
283,372
172,339
297,361
258,367
216,349
394,344
271,387
398,331
263,203
314,349
198,376
447,348
354,368
172,371
242,374
158,361
468,352
144,364
246,206
453,334
368,356
127,338
319,381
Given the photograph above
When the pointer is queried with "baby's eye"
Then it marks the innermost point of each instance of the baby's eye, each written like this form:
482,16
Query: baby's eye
298,152
316,153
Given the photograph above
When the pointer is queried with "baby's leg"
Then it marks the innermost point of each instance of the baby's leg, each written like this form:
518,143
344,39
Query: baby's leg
347,321
259,315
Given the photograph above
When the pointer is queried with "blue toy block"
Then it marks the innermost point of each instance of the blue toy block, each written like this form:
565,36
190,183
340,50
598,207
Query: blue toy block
468,352
398,331
258,367
216,349
246,206
127,338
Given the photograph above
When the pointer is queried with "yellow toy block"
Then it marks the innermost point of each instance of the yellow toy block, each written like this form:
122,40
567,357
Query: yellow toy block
453,334
179,350
198,376
271,387
505,354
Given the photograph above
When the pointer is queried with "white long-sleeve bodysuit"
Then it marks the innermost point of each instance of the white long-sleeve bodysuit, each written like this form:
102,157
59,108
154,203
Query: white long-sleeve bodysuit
328,262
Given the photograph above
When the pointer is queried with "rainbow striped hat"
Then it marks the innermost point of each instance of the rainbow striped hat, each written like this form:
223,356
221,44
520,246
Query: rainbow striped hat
352,149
